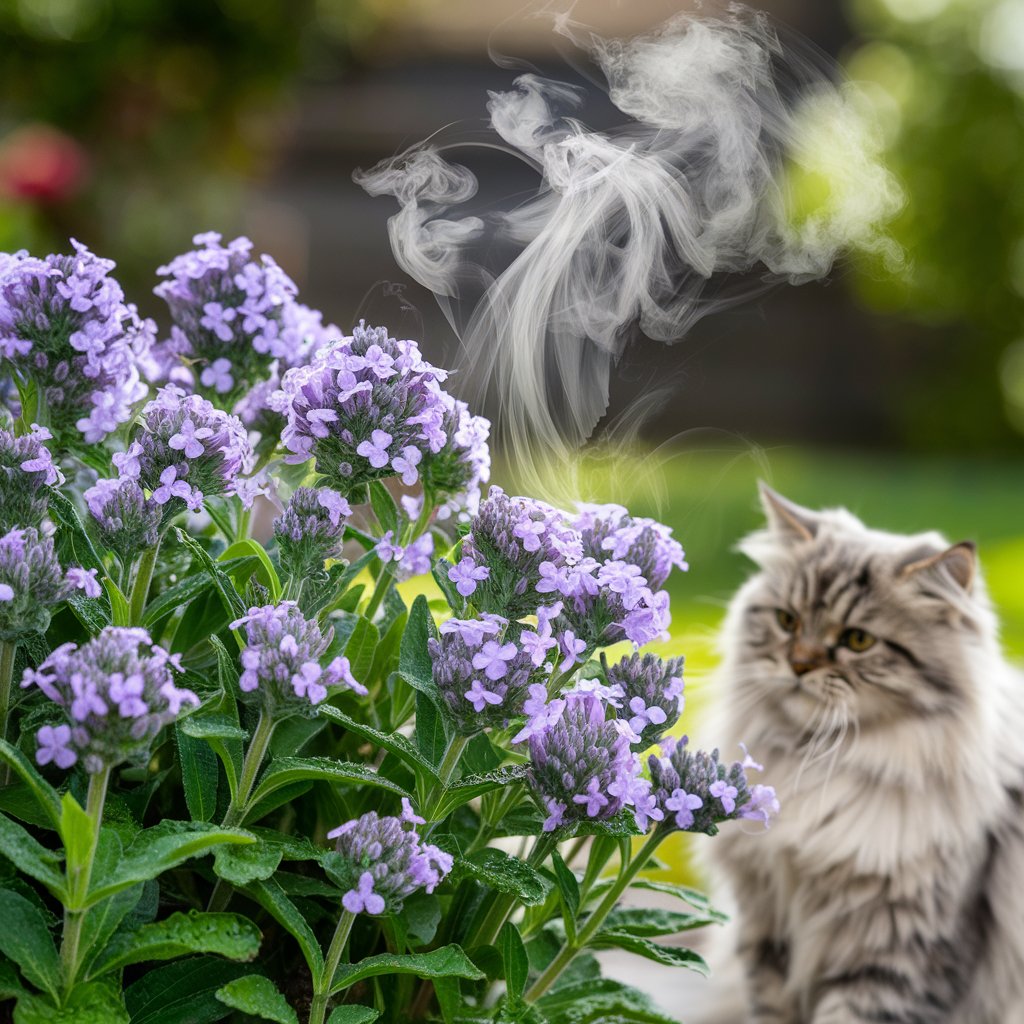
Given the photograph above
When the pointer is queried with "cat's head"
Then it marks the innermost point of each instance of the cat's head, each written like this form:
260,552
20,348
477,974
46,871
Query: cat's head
842,620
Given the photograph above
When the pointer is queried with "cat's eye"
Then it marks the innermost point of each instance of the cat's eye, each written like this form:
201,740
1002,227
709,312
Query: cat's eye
787,620
857,640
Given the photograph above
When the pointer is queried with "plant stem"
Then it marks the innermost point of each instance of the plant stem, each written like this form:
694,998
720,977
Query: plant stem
78,880
239,806
7,649
566,954
322,985
382,586
445,771
140,588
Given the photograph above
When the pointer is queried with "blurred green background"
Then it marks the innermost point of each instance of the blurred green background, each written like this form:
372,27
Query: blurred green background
133,124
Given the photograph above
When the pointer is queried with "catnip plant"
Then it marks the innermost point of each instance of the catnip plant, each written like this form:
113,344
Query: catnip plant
244,775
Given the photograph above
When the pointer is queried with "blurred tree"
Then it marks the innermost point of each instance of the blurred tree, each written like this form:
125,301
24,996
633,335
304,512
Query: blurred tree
946,79
134,123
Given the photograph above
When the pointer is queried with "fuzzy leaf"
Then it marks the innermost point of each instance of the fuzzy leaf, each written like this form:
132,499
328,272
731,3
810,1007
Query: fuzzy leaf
513,956
393,743
600,1000
231,599
647,921
669,956
187,590
360,648
284,771
455,600
384,507
505,873
97,1002
569,891
227,935
693,897
471,786
155,850
271,897
263,568
183,992
200,777
352,1014
446,962
258,997
25,939
120,615
46,796
414,664
31,857
431,735
241,865
72,538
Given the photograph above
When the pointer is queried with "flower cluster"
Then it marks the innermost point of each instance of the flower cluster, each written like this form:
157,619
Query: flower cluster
648,692
281,662
311,529
117,692
370,407
694,791
457,471
379,861
65,327
581,765
515,548
32,582
229,316
483,678
26,473
128,522
186,450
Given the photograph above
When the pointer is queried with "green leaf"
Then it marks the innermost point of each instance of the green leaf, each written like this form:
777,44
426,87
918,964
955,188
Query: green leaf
414,664
361,646
647,921
199,774
393,743
120,614
76,830
97,1002
384,507
227,935
471,786
241,865
431,735
30,857
599,1001
230,598
284,771
46,796
455,600
421,915
669,956
71,533
353,1015
264,568
187,590
155,850
10,983
272,898
513,956
258,997
25,939
693,897
569,891
447,962
102,920
183,992
505,873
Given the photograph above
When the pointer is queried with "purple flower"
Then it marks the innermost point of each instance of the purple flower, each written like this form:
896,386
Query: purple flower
466,575
26,472
573,650
311,530
493,658
54,744
458,657
380,861
406,463
387,550
417,559
281,661
363,898
375,451
218,376
762,806
65,327
683,804
217,319
33,583
725,794
479,696
581,768
189,439
127,520
337,507
84,579
652,690
117,692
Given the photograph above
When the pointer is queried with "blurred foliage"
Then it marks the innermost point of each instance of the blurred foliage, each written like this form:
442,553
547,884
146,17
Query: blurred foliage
946,80
134,123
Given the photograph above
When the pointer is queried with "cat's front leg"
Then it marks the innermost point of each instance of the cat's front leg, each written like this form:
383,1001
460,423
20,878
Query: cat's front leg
878,992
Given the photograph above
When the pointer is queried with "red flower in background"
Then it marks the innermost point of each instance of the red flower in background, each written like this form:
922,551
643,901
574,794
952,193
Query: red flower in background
40,164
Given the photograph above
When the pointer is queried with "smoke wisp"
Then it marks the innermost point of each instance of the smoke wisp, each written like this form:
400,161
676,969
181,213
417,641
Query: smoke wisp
628,226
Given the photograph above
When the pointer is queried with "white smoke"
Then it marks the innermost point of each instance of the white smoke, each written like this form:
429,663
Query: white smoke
628,226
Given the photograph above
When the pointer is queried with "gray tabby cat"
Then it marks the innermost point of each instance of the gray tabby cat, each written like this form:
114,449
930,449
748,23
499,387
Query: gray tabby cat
864,669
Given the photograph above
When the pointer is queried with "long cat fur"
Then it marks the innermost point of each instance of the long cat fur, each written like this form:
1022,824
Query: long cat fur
890,889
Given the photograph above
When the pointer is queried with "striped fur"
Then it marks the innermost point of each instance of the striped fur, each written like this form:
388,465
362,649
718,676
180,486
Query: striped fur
891,888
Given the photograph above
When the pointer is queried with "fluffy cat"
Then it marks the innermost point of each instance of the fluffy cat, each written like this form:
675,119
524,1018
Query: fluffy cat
864,670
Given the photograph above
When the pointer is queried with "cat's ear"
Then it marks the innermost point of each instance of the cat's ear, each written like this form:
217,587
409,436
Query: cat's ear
786,518
960,562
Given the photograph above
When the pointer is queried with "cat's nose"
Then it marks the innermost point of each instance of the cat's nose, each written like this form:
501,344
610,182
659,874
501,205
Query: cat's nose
805,657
